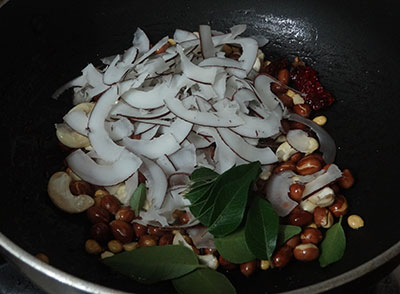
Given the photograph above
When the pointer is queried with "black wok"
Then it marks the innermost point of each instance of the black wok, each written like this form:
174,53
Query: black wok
352,44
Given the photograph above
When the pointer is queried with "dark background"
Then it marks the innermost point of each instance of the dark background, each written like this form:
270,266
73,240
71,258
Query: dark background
352,44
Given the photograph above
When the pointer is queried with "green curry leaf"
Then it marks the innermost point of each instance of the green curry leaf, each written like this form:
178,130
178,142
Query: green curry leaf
333,246
153,264
203,280
233,247
261,228
138,198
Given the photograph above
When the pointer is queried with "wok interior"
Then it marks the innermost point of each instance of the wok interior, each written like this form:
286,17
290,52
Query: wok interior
48,43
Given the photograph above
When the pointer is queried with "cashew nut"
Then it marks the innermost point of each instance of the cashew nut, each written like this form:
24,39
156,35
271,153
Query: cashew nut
297,99
209,260
86,107
74,176
70,138
312,145
179,240
322,198
120,192
61,196
284,151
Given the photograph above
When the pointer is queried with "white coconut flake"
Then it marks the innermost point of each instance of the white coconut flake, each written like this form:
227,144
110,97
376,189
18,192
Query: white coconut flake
103,174
78,121
324,179
156,181
119,129
277,191
194,72
246,151
98,136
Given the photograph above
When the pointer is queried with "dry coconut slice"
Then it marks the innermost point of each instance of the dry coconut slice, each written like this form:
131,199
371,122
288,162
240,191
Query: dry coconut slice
156,181
206,42
167,143
78,121
212,119
277,191
245,150
194,72
119,129
141,41
98,136
103,174
326,178
150,99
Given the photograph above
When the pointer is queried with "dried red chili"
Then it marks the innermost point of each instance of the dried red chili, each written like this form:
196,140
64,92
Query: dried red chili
306,81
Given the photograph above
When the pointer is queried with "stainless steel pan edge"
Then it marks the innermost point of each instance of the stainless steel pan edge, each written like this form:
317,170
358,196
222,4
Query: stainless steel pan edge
53,280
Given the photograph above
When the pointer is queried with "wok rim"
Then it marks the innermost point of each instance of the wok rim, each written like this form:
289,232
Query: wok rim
90,287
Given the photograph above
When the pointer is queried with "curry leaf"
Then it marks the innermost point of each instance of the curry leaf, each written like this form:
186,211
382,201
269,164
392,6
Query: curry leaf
203,174
203,280
231,198
199,194
286,232
153,264
333,246
233,247
138,198
261,228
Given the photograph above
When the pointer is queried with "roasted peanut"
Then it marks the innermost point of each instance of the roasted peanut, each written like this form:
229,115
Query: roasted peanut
306,252
311,235
286,100
166,239
125,214
100,232
284,166
115,246
299,217
323,198
296,191
277,88
111,203
130,246
93,247
323,217
184,218
176,213
121,231
147,241
294,125
308,165
335,187
339,207
248,268
294,241
97,214
226,264
296,157
283,76
43,257
355,221
302,109
346,180
139,229
106,254
80,187
320,120
282,257
264,265
142,178
155,231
